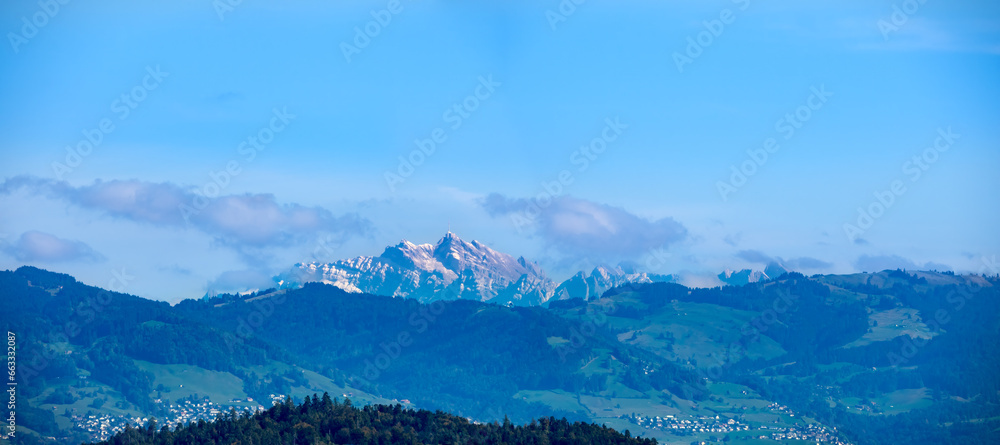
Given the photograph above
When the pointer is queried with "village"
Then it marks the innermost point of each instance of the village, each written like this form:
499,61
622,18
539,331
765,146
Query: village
103,426
719,427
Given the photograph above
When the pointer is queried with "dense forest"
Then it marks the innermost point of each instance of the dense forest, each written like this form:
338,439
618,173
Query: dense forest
321,421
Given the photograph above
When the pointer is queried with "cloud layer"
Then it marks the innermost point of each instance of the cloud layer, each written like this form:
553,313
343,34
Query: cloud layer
796,264
578,226
251,220
241,280
34,246
876,263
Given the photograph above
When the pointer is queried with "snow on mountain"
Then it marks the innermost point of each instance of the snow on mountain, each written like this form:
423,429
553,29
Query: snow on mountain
450,269
739,278
747,276
775,270
601,279
453,269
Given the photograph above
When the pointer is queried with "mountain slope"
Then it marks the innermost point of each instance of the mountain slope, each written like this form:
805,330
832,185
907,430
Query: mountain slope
890,357
463,356
131,357
602,279
455,269
82,351
450,269
747,276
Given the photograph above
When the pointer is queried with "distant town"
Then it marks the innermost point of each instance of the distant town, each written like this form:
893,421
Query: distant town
103,426
719,427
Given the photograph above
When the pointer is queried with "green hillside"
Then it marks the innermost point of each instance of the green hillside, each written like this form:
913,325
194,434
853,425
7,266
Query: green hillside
878,358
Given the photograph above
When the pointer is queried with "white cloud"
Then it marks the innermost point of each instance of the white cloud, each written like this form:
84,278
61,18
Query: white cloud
251,220
876,263
581,227
34,246
794,264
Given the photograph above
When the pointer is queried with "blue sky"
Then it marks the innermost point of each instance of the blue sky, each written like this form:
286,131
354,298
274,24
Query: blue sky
642,127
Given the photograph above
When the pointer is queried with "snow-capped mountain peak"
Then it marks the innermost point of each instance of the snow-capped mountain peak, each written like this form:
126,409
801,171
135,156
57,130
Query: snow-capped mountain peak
451,268
741,277
746,276
454,268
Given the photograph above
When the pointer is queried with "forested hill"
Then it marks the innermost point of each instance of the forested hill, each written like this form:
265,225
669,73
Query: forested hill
320,421
90,357
870,359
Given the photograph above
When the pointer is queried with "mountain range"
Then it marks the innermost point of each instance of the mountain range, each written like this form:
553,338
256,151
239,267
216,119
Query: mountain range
747,276
456,269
